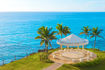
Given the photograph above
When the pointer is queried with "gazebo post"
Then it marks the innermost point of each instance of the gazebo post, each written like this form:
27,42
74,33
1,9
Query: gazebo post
83,47
78,46
67,46
61,47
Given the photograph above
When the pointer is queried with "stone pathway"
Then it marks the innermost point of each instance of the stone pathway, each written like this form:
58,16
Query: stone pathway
54,66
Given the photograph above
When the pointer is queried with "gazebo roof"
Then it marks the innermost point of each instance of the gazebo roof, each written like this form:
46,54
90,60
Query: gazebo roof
72,40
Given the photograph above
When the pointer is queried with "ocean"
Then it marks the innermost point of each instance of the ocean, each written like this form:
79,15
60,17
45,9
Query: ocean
19,29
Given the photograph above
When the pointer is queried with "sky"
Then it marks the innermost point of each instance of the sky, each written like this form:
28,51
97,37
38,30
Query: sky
53,5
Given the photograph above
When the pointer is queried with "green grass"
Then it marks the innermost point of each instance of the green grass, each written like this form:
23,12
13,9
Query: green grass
33,62
97,64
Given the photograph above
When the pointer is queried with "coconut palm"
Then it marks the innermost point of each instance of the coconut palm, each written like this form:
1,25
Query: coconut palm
95,33
85,30
46,35
66,30
63,30
59,27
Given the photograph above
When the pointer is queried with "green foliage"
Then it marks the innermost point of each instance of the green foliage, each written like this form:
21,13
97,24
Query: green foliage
59,27
66,30
46,35
68,67
96,33
63,30
44,58
90,63
85,30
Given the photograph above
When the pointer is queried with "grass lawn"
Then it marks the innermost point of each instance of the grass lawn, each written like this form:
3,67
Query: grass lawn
33,62
71,67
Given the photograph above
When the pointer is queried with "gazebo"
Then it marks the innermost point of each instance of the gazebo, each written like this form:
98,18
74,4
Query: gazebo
72,56
72,40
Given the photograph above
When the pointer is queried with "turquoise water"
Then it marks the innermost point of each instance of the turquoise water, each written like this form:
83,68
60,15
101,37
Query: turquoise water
18,30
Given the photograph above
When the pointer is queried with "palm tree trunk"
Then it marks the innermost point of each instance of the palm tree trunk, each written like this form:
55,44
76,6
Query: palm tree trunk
95,42
61,35
50,44
46,48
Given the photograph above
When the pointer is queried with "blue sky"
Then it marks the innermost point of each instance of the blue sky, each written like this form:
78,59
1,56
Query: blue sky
53,5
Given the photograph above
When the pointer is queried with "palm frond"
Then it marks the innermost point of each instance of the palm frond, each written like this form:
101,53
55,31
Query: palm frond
92,36
42,42
100,36
46,35
38,37
81,33
66,30
85,30
96,31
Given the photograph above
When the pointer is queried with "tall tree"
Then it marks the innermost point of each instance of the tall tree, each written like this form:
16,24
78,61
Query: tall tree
85,30
66,30
46,35
96,33
59,27
63,30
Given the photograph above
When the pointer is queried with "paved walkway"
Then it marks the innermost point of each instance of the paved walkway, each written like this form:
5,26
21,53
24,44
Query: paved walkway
53,66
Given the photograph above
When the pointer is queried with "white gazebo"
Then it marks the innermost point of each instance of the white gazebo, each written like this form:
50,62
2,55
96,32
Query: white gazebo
72,40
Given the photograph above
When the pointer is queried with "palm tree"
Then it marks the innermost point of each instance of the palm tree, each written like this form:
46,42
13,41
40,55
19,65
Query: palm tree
59,27
95,33
46,35
66,30
85,30
63,30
